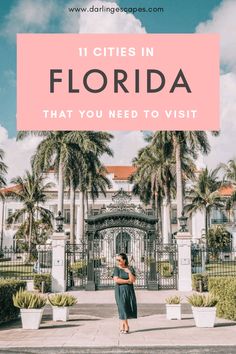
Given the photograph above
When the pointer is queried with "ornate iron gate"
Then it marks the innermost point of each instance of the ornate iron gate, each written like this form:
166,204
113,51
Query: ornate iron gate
108,244
76,265
155,264
121,227
167,266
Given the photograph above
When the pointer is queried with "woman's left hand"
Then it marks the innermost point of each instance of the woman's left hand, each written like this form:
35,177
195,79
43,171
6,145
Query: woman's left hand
127,270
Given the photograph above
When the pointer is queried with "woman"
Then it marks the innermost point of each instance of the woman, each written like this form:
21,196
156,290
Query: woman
124,277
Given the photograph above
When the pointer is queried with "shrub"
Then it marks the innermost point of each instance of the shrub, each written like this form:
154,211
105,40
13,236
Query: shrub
26,300
79,268
225,289
218,239
200,282
8,288
173,300
198,300
165,269
62,300
46,278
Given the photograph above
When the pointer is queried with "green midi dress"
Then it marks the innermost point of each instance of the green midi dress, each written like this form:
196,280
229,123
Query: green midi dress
125,295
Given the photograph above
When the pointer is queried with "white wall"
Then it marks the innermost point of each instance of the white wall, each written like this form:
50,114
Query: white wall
198,225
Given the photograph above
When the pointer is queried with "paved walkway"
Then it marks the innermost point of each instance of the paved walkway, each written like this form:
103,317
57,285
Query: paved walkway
90,333
143,296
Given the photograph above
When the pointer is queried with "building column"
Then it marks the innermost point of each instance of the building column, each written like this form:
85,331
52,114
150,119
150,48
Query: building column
198,226
80,221
90,286
166,223
184,261
59,240
78,239
152,281
233,232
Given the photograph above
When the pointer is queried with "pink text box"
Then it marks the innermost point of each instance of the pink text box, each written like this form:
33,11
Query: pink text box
74,55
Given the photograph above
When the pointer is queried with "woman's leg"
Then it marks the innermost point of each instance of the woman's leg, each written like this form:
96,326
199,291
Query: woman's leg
126,324
122,325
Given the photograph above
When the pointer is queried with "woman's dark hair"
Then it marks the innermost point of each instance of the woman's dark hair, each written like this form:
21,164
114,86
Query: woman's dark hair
125,258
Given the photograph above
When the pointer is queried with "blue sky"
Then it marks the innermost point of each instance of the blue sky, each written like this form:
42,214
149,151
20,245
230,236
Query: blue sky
180,16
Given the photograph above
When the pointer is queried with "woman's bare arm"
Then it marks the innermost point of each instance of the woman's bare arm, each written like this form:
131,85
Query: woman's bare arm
132,277
121,281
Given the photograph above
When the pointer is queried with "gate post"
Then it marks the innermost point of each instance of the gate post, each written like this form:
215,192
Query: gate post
184,261
152,283
90,286
59,240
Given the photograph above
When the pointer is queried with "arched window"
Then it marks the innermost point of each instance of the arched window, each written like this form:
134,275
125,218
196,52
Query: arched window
123,243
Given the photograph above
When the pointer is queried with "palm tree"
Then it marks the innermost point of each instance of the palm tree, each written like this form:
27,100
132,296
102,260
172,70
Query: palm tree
56,147
157,172
229,178
88,175
30,192
204,195
179,143
229,170
3,172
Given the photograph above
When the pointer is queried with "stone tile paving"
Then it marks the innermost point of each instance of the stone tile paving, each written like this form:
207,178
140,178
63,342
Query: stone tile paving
91,331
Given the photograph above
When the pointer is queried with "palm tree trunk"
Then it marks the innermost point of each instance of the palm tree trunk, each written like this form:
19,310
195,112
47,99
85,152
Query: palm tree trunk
30,232
72,214
206,226
83,215
2,228
206,231
170,226
60,206
156,208
166,222
179,183
159,213
86,204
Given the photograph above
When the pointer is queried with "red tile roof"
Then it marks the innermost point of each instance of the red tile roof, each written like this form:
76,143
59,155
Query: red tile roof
10,189
226,191
121,172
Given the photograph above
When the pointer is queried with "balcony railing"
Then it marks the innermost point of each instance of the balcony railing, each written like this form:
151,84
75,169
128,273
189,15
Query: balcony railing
222,220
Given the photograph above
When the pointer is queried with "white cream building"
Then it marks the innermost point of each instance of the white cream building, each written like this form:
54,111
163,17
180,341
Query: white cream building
118,176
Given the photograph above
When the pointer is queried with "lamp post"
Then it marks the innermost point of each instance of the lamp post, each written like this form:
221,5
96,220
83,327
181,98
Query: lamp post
183,223
59,253
59,222
103,208
183,238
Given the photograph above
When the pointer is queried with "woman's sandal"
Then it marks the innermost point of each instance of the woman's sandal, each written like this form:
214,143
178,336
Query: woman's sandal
126,331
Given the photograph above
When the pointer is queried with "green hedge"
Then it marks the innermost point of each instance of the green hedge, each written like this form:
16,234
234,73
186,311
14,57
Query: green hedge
225,289
39,278
79,268
200,282
8,288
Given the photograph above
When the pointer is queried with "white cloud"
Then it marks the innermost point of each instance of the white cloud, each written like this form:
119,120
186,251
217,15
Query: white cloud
28,16
17,153
36,16
69,22
223,147
99,22
125,146
223,22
